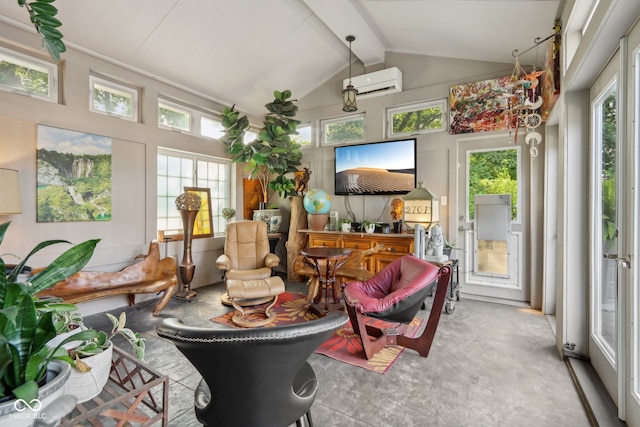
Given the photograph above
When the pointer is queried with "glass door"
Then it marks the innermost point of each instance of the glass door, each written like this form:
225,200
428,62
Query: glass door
606,187
489,268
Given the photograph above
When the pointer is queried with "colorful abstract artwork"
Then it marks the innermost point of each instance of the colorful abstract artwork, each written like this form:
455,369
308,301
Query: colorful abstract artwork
74,176
481,106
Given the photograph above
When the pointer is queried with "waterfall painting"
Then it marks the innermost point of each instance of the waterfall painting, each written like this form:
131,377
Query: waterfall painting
74,176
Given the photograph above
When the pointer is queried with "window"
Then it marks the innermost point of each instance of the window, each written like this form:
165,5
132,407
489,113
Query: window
177,170
304,135
23,74
174,116
424,117
210,127
343,129
493,172
112,98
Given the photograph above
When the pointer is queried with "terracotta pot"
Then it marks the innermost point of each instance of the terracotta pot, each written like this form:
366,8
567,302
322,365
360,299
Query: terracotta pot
317,222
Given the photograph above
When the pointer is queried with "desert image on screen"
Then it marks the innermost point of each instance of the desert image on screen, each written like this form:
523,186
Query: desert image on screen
375,168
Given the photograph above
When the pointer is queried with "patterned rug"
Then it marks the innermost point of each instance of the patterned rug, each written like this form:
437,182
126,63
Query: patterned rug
343,344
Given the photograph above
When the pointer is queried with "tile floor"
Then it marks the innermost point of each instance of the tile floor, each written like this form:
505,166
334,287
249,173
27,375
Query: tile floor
490,365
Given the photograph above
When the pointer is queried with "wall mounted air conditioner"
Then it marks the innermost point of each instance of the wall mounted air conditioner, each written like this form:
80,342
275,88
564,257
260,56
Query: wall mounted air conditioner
378,83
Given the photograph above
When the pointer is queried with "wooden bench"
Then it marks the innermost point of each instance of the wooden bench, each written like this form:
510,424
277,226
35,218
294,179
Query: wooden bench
152,275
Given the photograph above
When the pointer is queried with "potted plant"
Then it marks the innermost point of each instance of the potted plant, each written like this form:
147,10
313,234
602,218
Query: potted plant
91,358
344,225
367,226
274,152
449,247
27,324
228,213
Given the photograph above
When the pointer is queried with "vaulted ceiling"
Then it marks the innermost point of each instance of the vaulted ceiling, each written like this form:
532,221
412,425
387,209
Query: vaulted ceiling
240,51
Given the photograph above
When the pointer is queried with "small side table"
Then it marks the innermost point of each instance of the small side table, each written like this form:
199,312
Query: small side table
333,259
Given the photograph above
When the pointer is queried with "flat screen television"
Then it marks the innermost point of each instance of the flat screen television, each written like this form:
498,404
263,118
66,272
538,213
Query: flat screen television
386,167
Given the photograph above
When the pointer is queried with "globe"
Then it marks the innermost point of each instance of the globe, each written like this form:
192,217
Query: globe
317,201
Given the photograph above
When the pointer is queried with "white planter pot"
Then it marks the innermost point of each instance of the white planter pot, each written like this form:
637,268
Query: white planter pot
14,413
370,228
346,227
87,385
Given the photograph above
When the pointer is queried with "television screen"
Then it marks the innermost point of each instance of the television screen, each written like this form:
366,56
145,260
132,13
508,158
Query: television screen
387,167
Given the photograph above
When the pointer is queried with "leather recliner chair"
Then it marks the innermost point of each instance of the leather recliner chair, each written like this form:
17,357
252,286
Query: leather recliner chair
247,256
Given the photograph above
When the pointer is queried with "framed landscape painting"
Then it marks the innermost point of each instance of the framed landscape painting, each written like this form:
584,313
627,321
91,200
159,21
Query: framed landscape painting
74,176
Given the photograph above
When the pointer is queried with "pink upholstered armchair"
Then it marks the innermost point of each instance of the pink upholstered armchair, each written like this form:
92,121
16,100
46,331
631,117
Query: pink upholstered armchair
395,294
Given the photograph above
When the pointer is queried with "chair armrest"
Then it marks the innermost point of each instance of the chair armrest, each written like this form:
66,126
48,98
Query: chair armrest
223,262
271,260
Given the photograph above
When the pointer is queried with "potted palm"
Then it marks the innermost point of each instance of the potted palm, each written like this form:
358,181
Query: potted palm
27,325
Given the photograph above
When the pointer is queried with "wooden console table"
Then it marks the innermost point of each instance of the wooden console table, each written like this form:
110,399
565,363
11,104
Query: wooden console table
395,245
134,393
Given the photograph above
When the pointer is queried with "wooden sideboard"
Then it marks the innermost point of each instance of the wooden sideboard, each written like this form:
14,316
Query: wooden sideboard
395,245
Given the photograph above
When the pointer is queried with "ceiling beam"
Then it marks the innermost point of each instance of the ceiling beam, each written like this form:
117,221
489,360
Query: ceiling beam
343,20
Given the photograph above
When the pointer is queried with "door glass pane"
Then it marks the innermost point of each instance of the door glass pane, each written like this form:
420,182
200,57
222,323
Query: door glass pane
493,172
606,296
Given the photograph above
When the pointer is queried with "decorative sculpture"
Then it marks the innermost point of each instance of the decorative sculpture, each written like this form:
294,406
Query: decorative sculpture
435,245
188,204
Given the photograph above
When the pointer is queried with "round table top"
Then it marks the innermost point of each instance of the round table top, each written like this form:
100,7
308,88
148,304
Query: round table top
325,253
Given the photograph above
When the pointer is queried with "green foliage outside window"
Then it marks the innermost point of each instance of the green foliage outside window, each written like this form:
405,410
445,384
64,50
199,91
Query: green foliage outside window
23,78
344,131
110,102
173,118
417,121
608,183
493,172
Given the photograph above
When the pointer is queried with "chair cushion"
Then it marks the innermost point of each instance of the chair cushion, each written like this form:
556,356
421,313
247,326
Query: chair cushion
394,283
249,289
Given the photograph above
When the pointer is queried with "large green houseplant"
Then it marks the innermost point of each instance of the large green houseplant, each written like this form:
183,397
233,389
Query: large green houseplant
274,153
28,323
43,17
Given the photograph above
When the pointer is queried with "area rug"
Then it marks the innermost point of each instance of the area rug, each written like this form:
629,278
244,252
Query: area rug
343,344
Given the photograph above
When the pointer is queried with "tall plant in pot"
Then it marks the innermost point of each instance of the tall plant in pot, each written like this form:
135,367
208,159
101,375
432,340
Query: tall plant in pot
274,154
27,323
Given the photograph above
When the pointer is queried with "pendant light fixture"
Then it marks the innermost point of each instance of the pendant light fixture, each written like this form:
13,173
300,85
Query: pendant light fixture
349,103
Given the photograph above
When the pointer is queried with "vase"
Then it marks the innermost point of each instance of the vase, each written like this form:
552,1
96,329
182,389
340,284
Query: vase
317,222
49,406
267,215
187,268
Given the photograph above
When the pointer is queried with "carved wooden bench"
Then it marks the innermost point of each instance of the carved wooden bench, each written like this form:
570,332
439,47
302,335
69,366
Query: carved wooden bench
152,275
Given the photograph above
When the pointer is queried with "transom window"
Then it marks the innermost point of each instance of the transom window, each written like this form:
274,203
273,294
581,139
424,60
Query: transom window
174,116
343,129
112,98
177,170
424,117
26,75
304,135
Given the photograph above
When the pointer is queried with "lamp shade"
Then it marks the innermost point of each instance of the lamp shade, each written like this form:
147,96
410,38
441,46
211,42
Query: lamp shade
349,102
9,192
421,207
